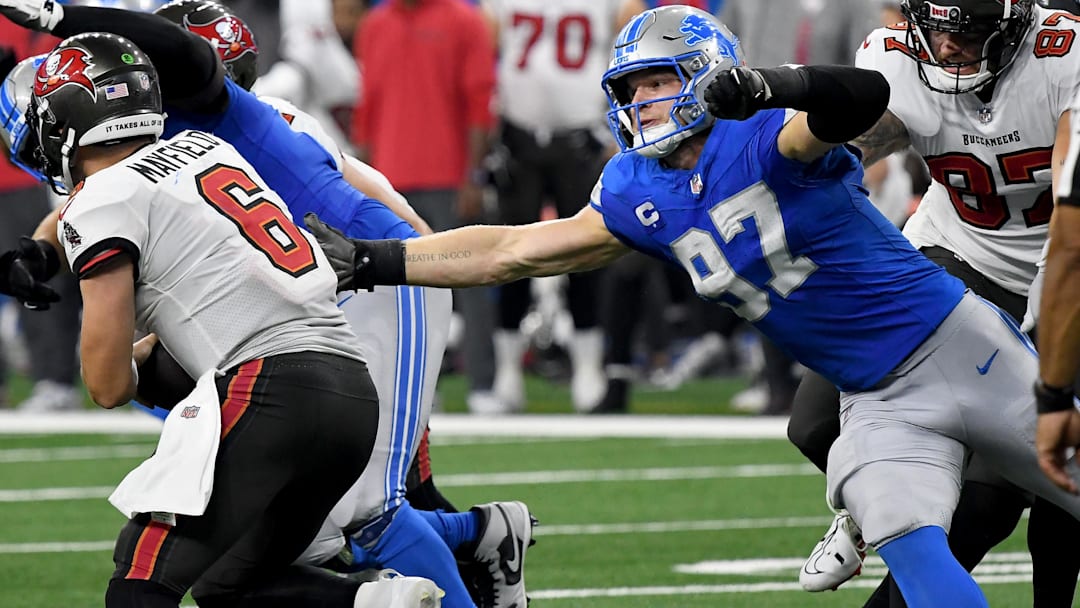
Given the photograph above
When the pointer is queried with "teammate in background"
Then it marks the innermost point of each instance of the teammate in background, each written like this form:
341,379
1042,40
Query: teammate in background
316,73
375,511
552,132
1059,337
984,98
295,389
767,215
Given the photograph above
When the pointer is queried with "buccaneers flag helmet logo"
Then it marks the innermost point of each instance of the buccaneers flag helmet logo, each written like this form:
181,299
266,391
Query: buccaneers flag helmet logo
228,35
65,67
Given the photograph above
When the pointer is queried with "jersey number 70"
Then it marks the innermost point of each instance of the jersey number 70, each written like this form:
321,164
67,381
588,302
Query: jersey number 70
236,196
697,250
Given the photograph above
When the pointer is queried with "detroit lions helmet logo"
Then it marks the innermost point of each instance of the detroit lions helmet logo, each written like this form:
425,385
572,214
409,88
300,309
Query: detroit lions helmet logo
698,28
229,37
65,67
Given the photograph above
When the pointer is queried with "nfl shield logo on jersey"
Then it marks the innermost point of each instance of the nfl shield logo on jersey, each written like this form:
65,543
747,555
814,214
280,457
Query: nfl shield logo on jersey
696,185
986,115
190,411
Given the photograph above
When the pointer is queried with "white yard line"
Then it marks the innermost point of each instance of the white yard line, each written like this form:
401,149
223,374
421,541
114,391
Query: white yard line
458,425
655,527
648,474
766,587
500,479
102,452
46,494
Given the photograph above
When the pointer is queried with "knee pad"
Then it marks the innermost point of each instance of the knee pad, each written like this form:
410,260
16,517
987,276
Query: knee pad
126,593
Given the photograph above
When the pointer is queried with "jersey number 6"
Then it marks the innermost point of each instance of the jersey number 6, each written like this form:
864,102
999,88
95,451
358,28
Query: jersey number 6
236,196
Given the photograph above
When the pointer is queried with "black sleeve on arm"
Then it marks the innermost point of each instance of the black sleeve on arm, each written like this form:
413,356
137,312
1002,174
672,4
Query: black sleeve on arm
190,74
841,102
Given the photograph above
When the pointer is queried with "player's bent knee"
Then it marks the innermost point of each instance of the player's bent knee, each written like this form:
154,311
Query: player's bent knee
126,593
889,499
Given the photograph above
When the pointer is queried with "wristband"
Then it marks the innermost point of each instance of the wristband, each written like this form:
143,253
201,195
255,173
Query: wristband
378,263
1050,399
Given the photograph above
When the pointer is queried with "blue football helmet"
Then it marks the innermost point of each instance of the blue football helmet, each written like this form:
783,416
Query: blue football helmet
16,133
688,40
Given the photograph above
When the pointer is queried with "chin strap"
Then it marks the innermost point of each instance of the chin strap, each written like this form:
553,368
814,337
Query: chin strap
66,154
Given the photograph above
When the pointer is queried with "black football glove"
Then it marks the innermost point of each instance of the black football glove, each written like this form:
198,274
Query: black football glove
24,270
737,94
358,263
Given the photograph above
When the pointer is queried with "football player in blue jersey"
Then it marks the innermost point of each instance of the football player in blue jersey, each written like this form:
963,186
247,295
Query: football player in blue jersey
207,90
758,201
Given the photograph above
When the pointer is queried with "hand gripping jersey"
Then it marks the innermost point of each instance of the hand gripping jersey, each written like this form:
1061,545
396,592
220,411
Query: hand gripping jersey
553,52
990,200
796,249
221,274
302,172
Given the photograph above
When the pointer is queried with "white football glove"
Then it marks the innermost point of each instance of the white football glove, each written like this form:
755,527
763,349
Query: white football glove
41,15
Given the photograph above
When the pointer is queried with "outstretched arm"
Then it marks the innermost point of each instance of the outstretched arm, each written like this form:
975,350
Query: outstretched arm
474,255
837,103
190,74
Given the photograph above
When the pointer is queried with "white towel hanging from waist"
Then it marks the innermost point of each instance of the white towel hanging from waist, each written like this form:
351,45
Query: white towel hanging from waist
179,477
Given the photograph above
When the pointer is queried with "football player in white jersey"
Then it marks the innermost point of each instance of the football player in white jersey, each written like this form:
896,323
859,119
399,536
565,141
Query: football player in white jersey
403,333
553,135
981,89
190,256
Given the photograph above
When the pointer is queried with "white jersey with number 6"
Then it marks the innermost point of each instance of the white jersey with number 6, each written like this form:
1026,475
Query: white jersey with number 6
990,200
222,275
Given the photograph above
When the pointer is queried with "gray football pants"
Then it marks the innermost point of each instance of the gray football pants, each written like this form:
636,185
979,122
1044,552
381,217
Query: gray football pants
898,463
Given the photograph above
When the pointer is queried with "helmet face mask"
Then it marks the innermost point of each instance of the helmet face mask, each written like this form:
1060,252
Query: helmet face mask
689,42
224,31
93,89
1000,26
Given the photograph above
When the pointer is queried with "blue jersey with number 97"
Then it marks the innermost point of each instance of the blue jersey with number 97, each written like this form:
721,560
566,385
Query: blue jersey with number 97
796,249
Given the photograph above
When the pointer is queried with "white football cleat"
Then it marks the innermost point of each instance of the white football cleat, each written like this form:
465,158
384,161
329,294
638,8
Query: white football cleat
505,535
837,558
392,590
